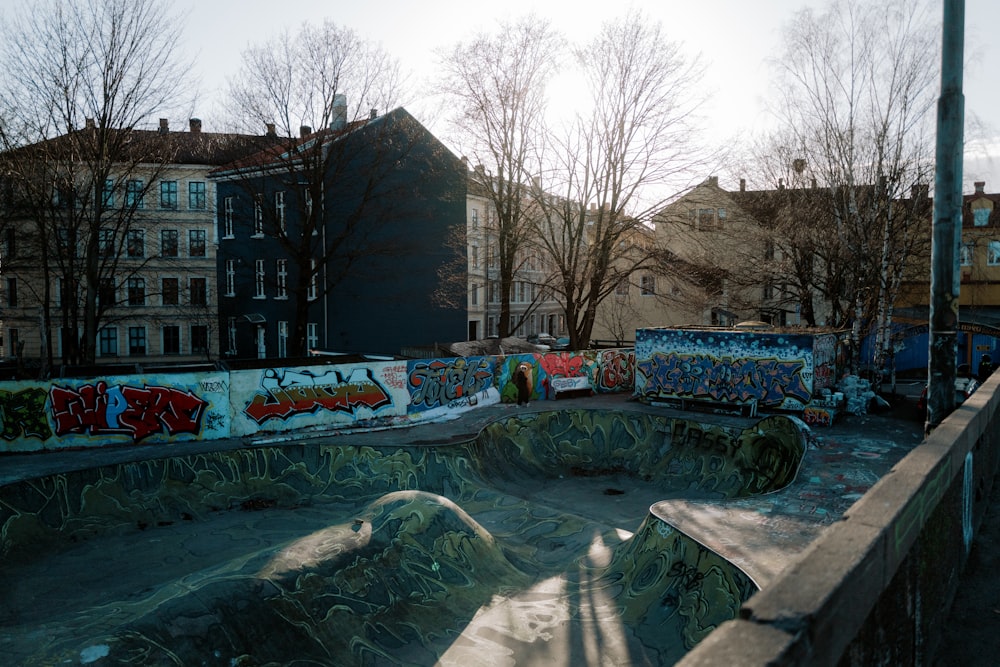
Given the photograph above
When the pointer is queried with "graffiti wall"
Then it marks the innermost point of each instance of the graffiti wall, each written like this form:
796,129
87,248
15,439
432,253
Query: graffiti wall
163,407
132,409
285,399
777,370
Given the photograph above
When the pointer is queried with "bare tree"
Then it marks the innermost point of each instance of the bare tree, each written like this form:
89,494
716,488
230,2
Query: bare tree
78,80
858,87
606,177
497,82
298,86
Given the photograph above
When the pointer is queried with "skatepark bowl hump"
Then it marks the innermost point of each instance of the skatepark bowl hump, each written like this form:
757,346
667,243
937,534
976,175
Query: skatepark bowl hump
558,538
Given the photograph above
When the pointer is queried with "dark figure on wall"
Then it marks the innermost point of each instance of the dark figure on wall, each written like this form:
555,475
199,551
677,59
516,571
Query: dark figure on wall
522,380
985,367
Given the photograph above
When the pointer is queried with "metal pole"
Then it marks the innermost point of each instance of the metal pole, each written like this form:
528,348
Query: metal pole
947,224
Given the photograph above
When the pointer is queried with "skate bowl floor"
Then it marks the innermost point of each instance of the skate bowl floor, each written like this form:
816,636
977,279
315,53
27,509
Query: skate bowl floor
566,537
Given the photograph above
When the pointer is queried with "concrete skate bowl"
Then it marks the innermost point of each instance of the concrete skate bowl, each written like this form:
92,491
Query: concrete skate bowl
530,544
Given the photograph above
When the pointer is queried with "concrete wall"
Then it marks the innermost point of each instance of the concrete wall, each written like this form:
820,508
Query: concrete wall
877,585
164,408
775,370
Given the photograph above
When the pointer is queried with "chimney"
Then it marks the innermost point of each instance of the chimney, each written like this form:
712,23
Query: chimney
812,183
339,120
90,124
593,207
374,114
713,180
305,131
980,187
781,184
164,126
195,125
743,185
270,130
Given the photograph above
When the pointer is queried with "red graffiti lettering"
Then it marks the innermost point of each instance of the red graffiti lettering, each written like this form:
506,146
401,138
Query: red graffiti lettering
296,393
616,370
135,411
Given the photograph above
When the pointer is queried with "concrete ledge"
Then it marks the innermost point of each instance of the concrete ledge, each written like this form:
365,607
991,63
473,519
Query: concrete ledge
901,547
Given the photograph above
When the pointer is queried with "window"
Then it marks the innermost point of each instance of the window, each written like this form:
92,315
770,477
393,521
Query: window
106,242
281,292
108,193
196,242
198,291
621,289
282,339
312,336
168,194
768,291
279,209
494,293
168,242
14,341
706,218
231,334
258,291
647,286
722,215
12,292
258,217
475,256
136,291
980,217
475,218
106,295
474,294
965,254
135,243
196,195
137,341
169,291
133,194
107,342
199,339
66,242
230,277
313,282
171,339
307,200
227,217
993,253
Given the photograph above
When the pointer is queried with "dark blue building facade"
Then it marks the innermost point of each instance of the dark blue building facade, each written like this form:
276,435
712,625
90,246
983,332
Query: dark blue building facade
338,238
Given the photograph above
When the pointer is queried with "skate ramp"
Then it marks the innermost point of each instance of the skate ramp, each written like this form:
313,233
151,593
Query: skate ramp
531,544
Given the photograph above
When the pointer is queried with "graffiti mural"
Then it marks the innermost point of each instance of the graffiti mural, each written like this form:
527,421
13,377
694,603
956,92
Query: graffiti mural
289,393
139,412
769,381
448,382
23,414
775,370
616,370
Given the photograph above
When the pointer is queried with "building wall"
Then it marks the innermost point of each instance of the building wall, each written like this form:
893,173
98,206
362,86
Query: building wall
385,299
192,263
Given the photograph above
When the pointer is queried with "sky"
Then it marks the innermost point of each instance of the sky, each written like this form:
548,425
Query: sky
733,38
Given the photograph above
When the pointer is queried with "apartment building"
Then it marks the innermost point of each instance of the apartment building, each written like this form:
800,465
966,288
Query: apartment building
336,238
127,243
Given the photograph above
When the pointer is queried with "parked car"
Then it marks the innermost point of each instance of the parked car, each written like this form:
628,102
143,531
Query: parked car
562,343
543,340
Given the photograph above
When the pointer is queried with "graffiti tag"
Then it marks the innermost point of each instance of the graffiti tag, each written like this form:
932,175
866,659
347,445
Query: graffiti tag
770,381
616,370
23,413
290,393
121,409
444,382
